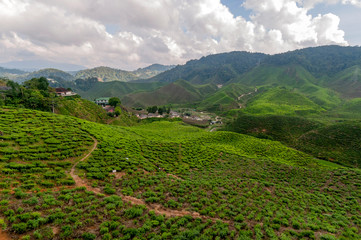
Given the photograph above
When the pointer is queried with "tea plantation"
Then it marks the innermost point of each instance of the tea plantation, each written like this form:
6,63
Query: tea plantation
165,180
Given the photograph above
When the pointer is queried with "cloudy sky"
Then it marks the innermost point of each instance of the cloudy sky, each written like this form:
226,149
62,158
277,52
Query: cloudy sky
128,34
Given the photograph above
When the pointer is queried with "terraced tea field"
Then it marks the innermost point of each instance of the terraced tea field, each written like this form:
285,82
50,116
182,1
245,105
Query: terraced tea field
165,180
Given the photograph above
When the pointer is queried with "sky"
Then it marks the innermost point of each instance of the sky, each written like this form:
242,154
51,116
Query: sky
129,34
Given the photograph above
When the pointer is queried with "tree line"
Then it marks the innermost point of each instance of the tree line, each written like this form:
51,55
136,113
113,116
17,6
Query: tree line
34,94
160,110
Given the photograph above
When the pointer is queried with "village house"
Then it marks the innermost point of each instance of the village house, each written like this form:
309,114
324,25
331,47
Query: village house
64,92
102,101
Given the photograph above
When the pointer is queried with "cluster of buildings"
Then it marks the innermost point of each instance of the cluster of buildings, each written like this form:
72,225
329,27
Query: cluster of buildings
172,114
63,92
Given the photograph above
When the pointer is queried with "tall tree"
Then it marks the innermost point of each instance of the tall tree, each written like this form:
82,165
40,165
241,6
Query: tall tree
114,102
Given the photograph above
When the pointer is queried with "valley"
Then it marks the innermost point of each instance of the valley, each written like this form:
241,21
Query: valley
231,146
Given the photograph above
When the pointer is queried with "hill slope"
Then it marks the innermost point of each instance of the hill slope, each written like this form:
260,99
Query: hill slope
347,82
112,89
179,92
49,73
280,101
218,68
293,77
320,61
165,179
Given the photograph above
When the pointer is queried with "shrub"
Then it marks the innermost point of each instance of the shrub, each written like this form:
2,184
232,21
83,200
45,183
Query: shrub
88,236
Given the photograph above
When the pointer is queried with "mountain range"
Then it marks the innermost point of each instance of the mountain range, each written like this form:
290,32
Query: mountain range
103,74
327,76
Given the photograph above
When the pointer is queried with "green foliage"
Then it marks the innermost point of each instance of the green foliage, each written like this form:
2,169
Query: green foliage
37,83
152,109
34,94
114,101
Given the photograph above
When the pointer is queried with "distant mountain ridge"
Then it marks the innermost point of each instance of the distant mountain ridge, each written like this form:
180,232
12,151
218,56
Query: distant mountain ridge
50,73
11,71
107,74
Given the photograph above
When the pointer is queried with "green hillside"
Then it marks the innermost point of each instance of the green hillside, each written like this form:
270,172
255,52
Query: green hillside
337,143
348,110
88,110
347,82
320,61
92,90
82,108
292,77
217,68
49,73
278,101
286,129
106,74
180,92
151,71
228,97
171,181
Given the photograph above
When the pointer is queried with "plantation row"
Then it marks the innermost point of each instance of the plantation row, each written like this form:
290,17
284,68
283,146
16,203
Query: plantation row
247,188
175,147
31,135
79,214
251,193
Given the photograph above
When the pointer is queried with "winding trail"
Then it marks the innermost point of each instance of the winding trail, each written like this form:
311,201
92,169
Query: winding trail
157,208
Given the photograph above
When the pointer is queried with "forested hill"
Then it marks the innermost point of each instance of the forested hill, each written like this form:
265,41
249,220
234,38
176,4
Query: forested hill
108,74
218,68
324,60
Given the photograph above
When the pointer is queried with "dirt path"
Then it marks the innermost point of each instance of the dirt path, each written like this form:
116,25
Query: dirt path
157,208
78,181
3,235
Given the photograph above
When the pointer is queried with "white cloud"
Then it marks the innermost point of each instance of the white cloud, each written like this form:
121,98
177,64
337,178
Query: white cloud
164,31
352,2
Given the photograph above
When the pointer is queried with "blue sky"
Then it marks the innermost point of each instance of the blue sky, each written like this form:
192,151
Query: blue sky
350,16
350,19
